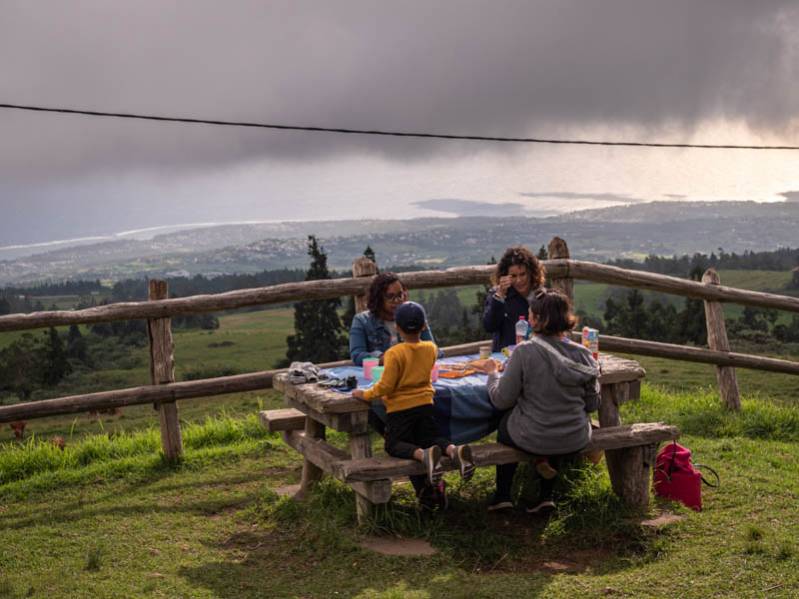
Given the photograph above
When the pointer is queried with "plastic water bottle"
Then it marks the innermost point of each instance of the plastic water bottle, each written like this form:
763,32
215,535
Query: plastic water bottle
522,330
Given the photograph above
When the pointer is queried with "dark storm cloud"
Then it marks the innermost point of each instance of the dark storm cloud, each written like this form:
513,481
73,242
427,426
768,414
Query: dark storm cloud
499,68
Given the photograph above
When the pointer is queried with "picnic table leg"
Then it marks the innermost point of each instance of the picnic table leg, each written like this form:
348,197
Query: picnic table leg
631,481
609,416
361,447
310,473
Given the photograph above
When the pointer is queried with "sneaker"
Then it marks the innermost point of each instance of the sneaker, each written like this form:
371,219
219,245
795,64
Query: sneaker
542,507
499,503
465,462
545,469
432,464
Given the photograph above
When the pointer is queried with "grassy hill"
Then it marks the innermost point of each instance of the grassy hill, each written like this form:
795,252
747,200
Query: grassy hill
106,518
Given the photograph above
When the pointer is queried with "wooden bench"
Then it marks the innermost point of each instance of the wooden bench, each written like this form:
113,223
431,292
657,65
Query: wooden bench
630,453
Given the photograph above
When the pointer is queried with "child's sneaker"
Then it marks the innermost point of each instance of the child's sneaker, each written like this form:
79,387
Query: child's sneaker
431,459
545,469
465,462
542,508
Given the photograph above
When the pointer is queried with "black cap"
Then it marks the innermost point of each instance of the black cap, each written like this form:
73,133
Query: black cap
410,317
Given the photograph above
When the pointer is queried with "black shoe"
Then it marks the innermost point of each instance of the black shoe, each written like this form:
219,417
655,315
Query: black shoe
433,498
432,464
542,508
499,504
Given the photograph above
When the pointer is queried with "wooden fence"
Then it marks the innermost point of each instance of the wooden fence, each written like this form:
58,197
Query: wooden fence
164,392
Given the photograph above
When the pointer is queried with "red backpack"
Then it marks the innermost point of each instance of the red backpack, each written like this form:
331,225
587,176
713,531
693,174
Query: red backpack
677,478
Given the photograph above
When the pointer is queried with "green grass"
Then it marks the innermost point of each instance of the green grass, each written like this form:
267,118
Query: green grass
120,522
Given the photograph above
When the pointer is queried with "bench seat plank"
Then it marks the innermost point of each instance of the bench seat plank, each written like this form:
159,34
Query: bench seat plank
286,419
617,437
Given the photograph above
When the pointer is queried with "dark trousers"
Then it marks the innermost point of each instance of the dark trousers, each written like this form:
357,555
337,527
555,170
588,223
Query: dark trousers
505,472
409,430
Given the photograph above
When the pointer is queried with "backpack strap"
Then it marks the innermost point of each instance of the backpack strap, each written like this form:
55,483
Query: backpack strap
713,472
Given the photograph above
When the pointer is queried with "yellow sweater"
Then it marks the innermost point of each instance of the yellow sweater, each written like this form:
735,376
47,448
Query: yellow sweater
405,382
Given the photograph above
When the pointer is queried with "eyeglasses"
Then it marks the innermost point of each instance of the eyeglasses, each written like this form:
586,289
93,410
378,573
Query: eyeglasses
396,297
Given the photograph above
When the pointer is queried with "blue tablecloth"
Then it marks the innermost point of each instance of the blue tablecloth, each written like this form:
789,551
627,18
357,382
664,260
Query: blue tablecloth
463,409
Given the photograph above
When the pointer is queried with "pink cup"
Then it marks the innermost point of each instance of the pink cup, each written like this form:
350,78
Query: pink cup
434,373
368,364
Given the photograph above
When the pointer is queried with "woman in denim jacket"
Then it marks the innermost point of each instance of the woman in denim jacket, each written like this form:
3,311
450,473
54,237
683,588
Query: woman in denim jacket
373,331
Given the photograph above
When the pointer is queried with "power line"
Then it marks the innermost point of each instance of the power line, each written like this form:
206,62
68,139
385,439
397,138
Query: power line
534,140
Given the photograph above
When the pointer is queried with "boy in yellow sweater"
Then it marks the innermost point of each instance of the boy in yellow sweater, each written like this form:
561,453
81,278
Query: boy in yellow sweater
407,393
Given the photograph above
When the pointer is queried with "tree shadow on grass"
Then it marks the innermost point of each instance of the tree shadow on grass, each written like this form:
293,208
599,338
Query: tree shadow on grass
93,505
312,549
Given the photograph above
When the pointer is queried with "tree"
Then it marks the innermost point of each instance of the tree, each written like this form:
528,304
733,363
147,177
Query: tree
56,365
318,333
794,284
77,349
691,325
21,366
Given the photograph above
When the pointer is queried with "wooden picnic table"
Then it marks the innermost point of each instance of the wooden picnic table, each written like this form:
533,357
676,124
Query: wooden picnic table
315,408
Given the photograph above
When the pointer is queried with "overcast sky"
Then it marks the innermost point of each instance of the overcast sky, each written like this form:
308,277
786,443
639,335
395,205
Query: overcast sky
703,71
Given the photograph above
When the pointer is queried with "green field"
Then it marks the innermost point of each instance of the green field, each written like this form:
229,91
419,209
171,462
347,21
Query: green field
244,342
107,518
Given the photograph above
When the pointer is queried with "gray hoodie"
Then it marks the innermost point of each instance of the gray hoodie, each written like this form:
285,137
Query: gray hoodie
551,385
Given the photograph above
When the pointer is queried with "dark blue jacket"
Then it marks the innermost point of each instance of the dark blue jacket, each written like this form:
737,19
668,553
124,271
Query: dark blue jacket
500,318
369,337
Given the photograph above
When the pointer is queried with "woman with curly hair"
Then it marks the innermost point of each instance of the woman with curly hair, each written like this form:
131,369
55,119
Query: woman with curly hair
374,330
517,275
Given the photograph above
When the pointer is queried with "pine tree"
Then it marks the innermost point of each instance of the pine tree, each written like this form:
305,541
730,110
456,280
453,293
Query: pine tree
543,254
77,348
691,324
56,365
318,333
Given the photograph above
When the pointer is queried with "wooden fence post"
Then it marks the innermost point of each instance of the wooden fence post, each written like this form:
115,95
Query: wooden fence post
558,250
361,445
362,267
717,340
162,370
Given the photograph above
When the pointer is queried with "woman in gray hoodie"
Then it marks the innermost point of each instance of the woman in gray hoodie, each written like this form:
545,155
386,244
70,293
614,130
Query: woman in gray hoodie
548,388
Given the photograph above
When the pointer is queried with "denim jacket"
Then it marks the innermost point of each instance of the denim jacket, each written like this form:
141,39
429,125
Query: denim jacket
369,337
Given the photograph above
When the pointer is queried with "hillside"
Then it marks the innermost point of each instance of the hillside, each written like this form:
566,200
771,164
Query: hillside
632,231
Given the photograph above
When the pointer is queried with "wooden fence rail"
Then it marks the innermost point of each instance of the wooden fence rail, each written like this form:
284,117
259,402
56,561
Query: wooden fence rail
331,288
256,381
164,392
